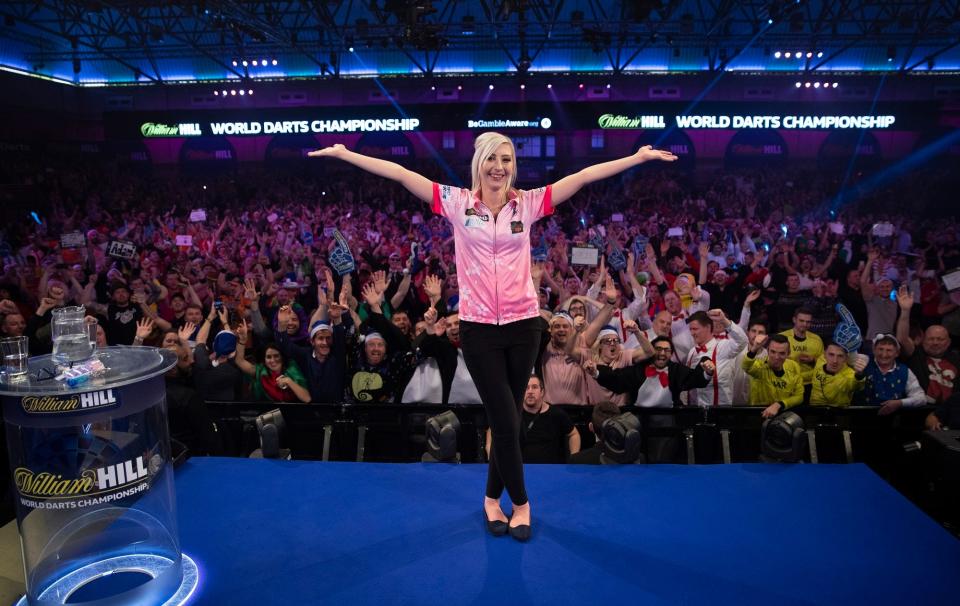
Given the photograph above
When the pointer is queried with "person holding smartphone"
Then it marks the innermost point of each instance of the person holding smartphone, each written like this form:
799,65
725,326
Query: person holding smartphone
499,312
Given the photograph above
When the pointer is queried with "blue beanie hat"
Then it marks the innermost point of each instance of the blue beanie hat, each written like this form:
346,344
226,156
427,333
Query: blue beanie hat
225,343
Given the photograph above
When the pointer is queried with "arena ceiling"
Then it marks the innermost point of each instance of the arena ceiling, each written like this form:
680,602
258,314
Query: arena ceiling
119,42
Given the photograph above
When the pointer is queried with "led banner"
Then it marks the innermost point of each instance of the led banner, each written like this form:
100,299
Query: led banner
278,127
697,121
503,123
517,117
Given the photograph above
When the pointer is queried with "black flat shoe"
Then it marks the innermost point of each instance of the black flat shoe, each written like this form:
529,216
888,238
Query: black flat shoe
495,527
520,532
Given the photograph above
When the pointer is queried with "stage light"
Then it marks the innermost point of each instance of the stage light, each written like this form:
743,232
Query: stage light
250,91
776,55
523,87
274,62
787,54
549,86
441,434
809,54
490,87
270,426
433,88
242,92
234,62
836,84
769,21
621,439
608,86
819,54
806,85
816,85
797,84
224,92
580,86
783,439
245,63
233,92
798,55
216,93
263,62
254,62
891,53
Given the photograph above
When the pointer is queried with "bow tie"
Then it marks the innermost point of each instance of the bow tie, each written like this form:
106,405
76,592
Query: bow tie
680,317
721,336
701,349
651,371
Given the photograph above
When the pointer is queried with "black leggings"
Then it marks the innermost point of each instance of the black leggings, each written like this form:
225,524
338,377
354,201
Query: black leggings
500,360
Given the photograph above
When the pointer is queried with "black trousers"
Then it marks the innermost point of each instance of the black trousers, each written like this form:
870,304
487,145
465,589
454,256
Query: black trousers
500,360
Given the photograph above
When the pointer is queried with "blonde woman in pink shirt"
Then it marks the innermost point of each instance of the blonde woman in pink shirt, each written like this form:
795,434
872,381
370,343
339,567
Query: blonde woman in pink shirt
499,310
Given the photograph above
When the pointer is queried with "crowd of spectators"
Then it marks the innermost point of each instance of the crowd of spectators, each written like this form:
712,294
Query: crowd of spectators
709,290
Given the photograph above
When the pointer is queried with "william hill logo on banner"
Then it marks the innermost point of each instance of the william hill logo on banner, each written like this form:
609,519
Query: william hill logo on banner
156,129
67,404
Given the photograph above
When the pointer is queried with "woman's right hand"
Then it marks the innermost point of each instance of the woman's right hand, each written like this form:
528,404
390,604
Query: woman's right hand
333,150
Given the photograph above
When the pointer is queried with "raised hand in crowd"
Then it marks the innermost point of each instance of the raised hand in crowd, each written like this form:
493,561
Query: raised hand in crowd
372,297
185,332
433,287
144,328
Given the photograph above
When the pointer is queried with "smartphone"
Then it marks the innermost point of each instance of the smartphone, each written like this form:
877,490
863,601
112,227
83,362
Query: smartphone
218,305
893,295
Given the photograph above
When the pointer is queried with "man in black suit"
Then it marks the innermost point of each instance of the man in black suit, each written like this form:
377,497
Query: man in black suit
657,383
668,379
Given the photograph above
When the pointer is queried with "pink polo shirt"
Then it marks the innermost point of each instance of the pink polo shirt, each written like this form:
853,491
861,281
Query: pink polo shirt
493,255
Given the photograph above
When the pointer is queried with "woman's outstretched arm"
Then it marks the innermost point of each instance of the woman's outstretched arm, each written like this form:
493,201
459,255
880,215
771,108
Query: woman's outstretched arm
416,184
569,185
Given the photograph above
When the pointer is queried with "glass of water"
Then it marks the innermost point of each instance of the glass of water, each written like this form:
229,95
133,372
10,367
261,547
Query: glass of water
15,351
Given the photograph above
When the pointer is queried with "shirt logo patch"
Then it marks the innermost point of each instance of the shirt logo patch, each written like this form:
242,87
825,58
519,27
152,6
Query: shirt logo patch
516,227
472,212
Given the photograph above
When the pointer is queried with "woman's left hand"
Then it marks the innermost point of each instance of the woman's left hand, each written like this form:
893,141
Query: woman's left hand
647,152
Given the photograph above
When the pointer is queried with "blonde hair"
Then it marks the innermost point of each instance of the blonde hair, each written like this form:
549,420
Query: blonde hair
485,145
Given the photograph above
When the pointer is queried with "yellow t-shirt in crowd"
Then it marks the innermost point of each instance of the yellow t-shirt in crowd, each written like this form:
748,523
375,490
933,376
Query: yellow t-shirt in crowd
767,387
811,345
834,389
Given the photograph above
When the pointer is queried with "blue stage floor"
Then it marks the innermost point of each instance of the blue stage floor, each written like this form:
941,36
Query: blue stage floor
300,533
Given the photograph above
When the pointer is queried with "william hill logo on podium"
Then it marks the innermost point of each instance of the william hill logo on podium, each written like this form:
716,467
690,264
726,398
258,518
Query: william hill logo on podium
104,398
45,490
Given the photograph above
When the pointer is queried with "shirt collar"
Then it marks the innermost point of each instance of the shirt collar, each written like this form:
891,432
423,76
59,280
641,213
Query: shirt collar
892,368
513,199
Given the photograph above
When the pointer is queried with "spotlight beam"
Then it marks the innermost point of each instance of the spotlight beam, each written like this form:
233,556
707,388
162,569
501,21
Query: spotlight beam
456,180
696,100
900,168
837,201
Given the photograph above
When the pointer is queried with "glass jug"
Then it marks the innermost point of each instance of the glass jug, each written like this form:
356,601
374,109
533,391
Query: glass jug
71,342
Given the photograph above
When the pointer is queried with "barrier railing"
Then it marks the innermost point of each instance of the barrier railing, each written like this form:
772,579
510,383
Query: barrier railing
395,432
